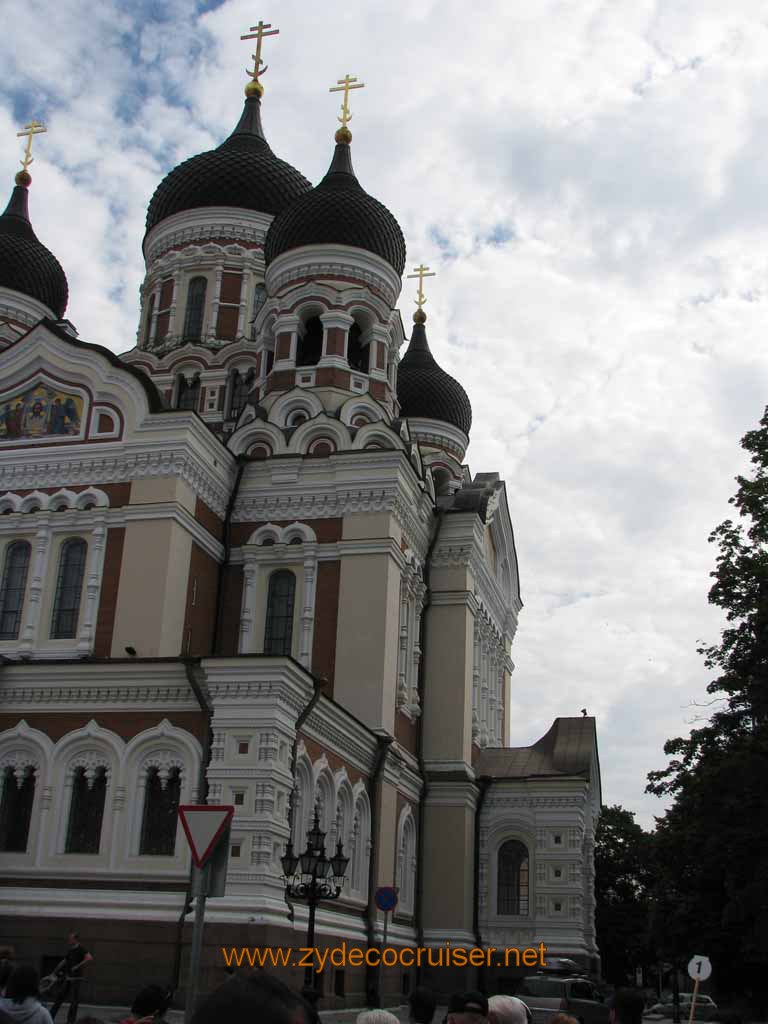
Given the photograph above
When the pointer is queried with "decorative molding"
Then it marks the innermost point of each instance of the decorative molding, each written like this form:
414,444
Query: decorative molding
312,261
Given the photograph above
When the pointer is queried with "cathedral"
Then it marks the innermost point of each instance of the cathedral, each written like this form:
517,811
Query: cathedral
246,563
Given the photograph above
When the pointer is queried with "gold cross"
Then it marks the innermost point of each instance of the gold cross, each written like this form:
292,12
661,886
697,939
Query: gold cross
258,32
344,85
33,128
421,273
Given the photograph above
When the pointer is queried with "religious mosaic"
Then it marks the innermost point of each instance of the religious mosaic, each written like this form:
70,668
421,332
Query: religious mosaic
40,411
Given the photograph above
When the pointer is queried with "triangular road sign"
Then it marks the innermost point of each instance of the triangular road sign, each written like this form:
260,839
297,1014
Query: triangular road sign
203,826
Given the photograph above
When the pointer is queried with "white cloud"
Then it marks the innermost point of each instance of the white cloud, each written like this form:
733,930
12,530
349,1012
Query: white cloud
611,338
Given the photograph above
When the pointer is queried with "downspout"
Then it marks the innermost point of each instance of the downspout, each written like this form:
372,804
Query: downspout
318,684
483,785
419,894
227,541
190,664
383,742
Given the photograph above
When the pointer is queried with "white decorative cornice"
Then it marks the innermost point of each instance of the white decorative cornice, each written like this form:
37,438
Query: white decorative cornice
23,308
200,225
330,261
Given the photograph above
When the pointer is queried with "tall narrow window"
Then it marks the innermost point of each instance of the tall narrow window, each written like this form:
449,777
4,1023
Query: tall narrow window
279,628
148,321
310,347
513,878
86,812
18,795
69,586
161,805
189,392
241,385
357,354
193,318
12,587
259,298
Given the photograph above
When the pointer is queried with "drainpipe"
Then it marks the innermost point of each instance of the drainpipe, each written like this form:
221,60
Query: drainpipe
227,541
318,684
383,742
483,785
190,664
419,894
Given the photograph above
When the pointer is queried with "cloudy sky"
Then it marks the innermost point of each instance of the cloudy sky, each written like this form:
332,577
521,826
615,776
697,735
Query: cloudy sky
588,179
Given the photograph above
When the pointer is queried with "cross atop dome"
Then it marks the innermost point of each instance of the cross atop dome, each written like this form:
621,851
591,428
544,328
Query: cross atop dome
258,32
29,131
345,85
421,272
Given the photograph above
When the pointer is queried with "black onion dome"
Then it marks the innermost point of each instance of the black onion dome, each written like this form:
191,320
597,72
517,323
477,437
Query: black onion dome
338,212
26,265
243,171
425,390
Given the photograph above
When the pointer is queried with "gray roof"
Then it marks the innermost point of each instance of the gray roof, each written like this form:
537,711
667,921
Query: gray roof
567,749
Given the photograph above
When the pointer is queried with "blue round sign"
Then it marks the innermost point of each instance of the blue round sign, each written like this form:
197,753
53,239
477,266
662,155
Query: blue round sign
386,897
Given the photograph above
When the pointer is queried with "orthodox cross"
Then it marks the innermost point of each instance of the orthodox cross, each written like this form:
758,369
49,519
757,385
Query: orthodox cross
345,85
421,273
258,32
33,128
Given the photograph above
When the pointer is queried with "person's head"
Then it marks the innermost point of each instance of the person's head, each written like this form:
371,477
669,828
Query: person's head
22,984
422,1003
73,939
151,1001
467,1008
376,1017
510,1010
256,997
626,1006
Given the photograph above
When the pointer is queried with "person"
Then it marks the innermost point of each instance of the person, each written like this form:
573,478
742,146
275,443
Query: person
21,1000
257,996
71,973
511,1010
626,1006
467,1008
562,1018
7,958
149,1006
376,1017
421,1003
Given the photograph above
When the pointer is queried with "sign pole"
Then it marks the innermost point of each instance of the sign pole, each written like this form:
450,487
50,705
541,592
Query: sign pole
202,876
693,1000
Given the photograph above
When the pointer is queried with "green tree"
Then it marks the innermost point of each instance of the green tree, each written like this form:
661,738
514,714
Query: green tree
622,901
712,844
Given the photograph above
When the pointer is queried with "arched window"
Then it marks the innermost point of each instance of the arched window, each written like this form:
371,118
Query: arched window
241,385
86,812
148,321
406,863
193,319
161,806
69,586
512,895
189,392
357,354
18,794
12,587
359,848
259,298
279,626
310,347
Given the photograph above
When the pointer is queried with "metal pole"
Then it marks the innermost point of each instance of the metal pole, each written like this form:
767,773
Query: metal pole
201,889
693,1000
311,992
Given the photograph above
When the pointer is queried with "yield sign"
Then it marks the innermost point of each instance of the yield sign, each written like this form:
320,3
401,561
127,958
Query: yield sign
203,826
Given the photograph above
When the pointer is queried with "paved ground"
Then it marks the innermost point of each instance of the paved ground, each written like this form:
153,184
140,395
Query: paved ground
114,1014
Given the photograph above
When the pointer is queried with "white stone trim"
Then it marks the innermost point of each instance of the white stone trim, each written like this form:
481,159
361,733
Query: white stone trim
329,260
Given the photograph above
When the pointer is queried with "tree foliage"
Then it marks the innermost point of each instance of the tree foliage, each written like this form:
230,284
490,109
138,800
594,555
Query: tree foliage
712,845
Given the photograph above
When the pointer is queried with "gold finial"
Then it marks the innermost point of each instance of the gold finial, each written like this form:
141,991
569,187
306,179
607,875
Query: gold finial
258,32
345,85
31,129
421,272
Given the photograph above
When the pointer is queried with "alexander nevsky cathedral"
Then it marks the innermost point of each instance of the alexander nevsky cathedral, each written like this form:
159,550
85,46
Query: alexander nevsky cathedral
246,563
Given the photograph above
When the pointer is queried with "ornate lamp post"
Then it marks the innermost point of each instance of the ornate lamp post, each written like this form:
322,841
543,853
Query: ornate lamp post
313,877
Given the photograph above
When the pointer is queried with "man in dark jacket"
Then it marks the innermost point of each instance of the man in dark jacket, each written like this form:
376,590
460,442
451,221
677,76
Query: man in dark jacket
71,972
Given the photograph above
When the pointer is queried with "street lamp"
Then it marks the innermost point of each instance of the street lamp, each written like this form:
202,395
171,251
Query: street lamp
313,877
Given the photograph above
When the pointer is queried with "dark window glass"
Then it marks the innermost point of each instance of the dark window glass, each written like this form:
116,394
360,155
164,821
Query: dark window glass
69,585
241,385
581,990
193,319
189,393
270,361
259,298
12,588
513,878
310,347
16,810
542,988
357,354
86,811
148,322
277,635
161,807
